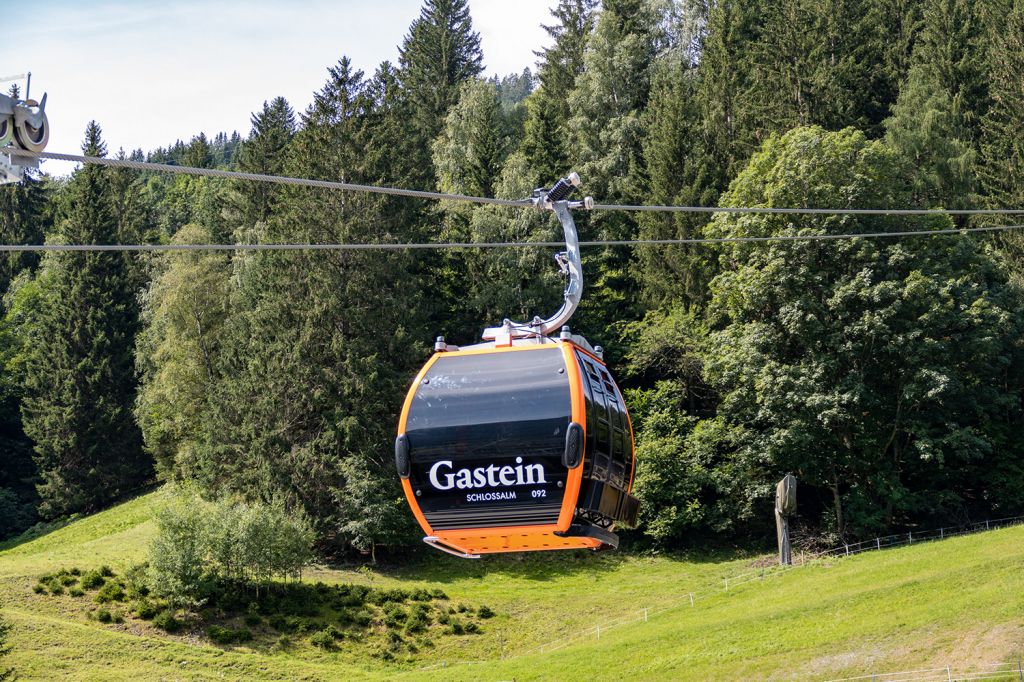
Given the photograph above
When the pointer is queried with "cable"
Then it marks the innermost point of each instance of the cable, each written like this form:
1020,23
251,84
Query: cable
420,194
808,211
491,245
259,177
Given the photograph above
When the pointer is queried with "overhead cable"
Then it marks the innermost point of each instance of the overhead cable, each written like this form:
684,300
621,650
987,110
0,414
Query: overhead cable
260,177
496,245
443,196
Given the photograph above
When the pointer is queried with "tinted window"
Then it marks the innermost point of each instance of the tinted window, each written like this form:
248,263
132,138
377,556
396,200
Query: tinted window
485,413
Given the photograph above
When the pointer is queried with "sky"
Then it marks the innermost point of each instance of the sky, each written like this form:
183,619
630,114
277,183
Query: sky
154,72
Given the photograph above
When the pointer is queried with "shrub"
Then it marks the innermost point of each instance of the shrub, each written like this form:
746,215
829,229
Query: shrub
485,612
76,592
39,588
200,542
416,623
104,616
225,635
135,582
438,594
112,591
323,639
92,579
146,610
166,621
456,627
471,628
106,571
56,589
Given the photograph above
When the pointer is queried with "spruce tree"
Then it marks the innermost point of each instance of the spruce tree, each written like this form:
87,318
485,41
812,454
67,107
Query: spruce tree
936,122
1002,147
314,356
545,140
264,152
439,53
80,383
606,136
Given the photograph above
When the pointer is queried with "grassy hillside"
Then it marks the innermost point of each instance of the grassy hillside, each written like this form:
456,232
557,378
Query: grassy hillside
956,601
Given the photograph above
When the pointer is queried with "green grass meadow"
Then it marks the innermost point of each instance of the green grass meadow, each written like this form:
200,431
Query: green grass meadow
957,602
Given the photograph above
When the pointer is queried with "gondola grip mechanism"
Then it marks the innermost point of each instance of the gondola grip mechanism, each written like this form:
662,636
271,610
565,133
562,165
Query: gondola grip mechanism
554,199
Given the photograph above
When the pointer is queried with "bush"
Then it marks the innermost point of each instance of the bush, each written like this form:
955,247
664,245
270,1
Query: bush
322,639
200,542
112,591
76,592
471,628
92,579
485,612
146,610
416,623
166,621
104,616
5,674
225,635
39,588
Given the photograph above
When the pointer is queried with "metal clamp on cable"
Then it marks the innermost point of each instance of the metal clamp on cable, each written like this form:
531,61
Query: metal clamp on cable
554,199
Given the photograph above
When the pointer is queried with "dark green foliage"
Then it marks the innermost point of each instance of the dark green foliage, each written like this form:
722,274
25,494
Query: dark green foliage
485,612
92,579
166,621
881,375
104,615
112,591
146,610
79,371
1002,147
5,630
440,52
224,635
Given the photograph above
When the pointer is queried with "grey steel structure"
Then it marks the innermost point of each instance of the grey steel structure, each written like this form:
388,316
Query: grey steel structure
23,125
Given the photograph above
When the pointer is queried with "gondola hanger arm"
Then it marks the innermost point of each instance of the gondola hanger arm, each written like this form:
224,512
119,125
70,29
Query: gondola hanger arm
555,199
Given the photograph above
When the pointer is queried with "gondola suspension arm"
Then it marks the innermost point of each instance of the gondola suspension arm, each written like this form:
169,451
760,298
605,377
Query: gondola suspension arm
555,199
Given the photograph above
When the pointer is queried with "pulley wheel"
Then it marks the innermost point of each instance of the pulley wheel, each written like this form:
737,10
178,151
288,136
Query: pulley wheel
31,138
6,130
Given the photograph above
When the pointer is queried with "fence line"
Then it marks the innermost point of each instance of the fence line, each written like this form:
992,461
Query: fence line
730,582
690,599
993,671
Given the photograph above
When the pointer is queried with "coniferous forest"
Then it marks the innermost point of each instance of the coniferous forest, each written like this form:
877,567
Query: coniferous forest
887,374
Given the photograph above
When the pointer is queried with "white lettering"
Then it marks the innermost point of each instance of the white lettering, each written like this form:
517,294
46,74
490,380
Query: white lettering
442,476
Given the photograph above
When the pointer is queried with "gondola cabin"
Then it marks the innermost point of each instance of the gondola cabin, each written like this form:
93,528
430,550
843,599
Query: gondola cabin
518,447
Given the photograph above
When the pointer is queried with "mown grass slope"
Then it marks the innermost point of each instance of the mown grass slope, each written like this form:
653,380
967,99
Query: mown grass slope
957,601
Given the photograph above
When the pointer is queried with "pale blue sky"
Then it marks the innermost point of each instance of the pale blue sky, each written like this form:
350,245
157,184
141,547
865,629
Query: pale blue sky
153,72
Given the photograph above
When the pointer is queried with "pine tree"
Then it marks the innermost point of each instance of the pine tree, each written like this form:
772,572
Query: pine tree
936,121
606,136
80,383
439,53
545,139
314,355
264,152
1002,147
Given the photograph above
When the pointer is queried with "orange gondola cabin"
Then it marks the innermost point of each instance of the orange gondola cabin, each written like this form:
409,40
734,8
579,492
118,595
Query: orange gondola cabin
522,443
517,448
